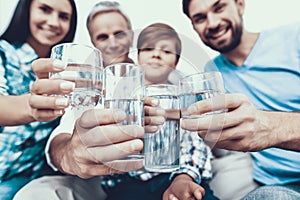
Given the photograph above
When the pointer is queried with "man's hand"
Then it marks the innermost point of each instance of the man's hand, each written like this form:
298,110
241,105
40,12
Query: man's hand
242,128
97,141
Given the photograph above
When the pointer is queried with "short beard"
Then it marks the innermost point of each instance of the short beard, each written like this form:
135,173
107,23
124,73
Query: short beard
234,41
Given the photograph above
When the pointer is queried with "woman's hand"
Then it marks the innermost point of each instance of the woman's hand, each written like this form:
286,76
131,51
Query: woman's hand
45,106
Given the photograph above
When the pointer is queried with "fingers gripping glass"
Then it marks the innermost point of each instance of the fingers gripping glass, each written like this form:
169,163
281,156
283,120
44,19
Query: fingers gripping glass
162,148
123,84
84,68
198,87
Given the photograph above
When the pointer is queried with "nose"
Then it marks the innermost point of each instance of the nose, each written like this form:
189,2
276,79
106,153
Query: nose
112,41
212,20
53,20
156,53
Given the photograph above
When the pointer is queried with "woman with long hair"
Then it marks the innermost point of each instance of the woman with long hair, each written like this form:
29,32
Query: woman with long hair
36,26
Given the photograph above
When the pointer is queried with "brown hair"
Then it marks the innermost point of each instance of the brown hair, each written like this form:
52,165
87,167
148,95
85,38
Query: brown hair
157,32
185,7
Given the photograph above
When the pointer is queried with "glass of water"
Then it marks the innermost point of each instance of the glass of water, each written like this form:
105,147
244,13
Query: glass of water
123,86
162,148
200,86
84,68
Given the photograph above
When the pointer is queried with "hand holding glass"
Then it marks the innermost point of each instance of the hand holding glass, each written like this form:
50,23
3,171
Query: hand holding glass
200,86
123,85
84,68
162,148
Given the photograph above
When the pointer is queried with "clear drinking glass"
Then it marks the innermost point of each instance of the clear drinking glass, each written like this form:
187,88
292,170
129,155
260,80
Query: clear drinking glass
84,68
123,85
200,86
162,148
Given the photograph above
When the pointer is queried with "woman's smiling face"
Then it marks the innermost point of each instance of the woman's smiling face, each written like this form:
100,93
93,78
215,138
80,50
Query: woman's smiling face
49,21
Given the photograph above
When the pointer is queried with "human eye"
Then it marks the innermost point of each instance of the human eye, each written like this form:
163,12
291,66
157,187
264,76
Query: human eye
102,37
147,49
45,9
198,18
64,16
120,34
167,51
219,8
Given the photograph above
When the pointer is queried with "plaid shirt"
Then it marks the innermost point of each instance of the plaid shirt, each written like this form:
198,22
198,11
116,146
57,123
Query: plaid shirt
21,147
195,160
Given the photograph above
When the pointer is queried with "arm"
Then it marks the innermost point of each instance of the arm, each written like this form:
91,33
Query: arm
285,129
31,107
36,106
243,127
16,115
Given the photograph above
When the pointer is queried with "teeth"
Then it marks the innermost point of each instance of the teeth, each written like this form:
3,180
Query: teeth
219,34
50,32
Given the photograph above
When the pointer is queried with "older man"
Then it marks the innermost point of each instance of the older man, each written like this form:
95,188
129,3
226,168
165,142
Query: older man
110,31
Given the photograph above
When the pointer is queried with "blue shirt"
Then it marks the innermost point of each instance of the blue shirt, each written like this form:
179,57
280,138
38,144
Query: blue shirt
270,78
21,147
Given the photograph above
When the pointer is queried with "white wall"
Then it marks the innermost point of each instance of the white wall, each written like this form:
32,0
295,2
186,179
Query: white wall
259,15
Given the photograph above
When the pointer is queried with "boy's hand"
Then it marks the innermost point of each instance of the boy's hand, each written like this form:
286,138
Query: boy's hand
183,188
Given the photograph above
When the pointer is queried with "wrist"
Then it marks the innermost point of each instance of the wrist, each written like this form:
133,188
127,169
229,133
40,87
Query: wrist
285,128
29,113
183,177
58,150
190,171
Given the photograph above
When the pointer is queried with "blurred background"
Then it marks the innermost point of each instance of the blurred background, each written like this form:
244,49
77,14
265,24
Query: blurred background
259,15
